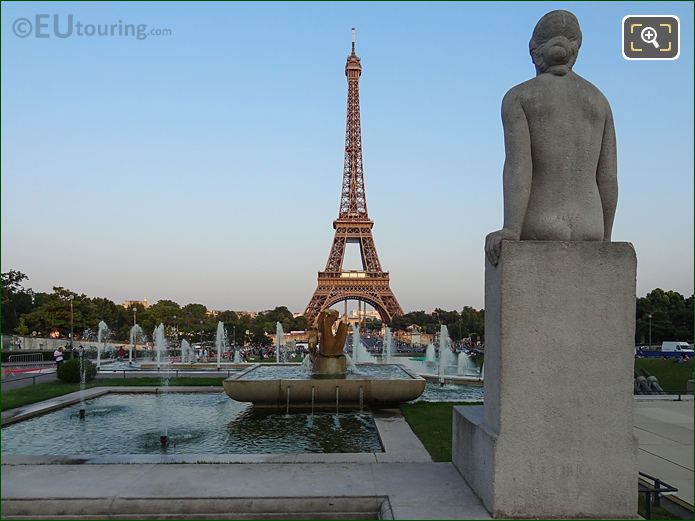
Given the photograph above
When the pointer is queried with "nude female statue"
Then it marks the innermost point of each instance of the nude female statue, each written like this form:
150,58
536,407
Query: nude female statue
560,179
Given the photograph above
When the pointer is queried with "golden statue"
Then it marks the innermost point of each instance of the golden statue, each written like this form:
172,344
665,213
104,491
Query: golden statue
328,359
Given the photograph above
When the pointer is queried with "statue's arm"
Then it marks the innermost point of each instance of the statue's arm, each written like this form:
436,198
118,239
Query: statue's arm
518,169
340,337
607,176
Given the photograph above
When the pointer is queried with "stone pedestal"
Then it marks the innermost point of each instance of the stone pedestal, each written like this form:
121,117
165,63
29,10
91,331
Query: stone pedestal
329,366
555,436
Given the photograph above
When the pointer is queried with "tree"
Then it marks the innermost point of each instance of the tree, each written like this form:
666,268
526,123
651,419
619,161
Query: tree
258,336
52,311
671,317
372,324
16,300
470,322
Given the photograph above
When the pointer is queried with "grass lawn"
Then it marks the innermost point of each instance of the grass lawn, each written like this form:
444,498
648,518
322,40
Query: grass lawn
36,393
672,376
432,422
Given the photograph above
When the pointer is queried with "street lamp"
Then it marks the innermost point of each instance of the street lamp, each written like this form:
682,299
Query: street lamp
71,298
201,337
650,330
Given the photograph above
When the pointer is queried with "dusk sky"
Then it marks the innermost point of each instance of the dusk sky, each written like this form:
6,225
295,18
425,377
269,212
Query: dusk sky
205,166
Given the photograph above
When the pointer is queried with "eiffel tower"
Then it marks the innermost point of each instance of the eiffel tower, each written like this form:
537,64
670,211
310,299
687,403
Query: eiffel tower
353,225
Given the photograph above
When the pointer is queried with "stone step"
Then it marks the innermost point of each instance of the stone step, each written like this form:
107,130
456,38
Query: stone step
362,507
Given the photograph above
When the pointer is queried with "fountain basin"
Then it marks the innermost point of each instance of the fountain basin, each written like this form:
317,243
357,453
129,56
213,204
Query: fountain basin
290,386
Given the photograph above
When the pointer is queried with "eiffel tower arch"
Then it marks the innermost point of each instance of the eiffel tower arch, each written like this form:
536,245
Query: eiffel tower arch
353,225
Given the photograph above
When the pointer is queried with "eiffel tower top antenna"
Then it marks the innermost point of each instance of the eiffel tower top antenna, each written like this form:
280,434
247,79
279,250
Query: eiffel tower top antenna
353,40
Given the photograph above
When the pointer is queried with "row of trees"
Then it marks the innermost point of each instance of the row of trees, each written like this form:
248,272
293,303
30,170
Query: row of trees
25,312
671,317
467,323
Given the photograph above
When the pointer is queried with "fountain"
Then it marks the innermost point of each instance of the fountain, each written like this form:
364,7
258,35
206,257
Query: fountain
360,355
388,341
220,342
237,357
325,378
83,380
160,344
279,333
447,358
102,337
186,352
430,354
466,366
135,333
159,341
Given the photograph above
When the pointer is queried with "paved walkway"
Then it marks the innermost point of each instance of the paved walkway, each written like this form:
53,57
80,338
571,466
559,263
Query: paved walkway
415,490
665,433
19,380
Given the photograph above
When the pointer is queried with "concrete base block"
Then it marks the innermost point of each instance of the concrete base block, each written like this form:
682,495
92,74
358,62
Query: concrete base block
555,436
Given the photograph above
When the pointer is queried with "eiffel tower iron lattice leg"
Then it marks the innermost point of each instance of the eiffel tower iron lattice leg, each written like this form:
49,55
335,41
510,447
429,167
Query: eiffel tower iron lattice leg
371,285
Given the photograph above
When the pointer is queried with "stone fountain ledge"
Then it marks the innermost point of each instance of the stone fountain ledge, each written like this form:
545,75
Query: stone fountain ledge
400,443
453,379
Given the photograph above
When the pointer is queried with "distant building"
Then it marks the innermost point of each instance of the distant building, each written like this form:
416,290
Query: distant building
357,317
298,337
142,302
414,336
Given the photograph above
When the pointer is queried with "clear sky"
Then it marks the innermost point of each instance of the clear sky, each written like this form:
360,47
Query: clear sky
205,166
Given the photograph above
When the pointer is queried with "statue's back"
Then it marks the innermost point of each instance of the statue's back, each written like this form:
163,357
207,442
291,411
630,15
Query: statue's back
566,117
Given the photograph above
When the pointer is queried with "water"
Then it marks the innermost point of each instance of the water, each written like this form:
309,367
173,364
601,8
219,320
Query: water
102,336
136,335
297,372
220,342
447,358
466,366
388,341
360,355
306,364
160,344
204,424
279,333
186,352
435,392
83,381
237,357
430,353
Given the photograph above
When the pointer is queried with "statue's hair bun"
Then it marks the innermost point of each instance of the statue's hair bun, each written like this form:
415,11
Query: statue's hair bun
556,41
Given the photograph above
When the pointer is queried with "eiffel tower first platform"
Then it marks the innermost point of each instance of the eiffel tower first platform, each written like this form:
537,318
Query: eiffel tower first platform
353,225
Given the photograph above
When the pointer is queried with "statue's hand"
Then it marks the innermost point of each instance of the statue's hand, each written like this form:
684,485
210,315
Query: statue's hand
493,243
313,341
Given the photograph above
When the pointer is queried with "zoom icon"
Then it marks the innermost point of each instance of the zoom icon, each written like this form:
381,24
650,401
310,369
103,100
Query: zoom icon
651,37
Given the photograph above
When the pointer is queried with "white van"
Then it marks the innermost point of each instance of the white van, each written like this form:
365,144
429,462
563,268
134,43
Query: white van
676,347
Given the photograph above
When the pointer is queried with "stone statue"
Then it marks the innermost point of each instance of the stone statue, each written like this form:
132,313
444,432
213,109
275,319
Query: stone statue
329,359
560,180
